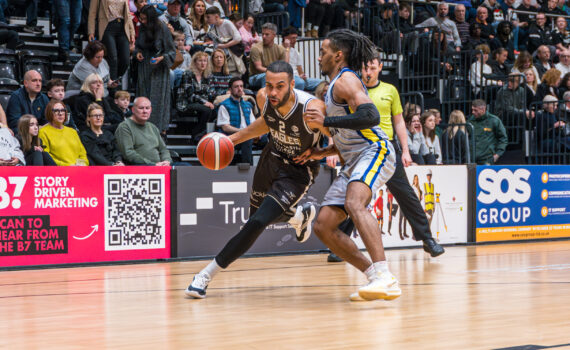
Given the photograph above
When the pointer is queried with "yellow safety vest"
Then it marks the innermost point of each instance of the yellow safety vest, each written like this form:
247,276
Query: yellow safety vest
428,198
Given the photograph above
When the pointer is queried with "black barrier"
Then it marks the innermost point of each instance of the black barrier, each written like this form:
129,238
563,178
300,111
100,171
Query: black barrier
415,97
280,19
422,66
548,133
212,206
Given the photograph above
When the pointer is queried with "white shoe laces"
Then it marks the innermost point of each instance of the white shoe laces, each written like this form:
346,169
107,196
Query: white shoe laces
201,281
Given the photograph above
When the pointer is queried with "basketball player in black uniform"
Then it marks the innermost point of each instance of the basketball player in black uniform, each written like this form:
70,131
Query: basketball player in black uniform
279,183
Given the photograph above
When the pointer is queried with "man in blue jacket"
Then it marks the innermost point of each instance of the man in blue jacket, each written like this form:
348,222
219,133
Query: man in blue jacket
27,100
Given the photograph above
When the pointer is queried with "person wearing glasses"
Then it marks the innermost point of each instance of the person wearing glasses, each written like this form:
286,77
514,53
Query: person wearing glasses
99,143
60,141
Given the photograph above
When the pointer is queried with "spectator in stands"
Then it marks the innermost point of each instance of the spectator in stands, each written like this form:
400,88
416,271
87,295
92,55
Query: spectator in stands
99,143
405,23
564,65
489,132
92,92
454,140
121,106
197,16
155,52
263,54
510,105
564,110
218,74
543,62
158,5
32,17
416,140
30,143
195,95
549,129
565,84
217,4
315,18
116,30
68,20
461,24
176,73
551,7
235,114
236,19
248,35
178,23
560,35
140,142
522,21
498,66
504,40
302,82
56,91
549,85
11,39
28,99
475,36
432,141
138,5
524,62
93,61
10,152
444,24
294,8
480,70
61,142
531,86
321,90
437,114
487,30
539,34
226,37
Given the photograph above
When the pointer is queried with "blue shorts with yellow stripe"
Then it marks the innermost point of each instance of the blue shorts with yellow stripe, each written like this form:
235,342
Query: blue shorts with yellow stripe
374,166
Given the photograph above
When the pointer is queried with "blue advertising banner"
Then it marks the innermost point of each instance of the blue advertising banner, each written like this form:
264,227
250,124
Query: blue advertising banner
522,202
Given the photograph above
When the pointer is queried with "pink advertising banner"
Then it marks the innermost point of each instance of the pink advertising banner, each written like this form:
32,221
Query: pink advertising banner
63,215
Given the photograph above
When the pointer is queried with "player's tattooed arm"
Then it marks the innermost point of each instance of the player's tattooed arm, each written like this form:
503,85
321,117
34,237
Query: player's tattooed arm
255,129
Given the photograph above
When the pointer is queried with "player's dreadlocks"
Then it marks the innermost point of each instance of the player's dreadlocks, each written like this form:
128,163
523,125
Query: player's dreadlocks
358,50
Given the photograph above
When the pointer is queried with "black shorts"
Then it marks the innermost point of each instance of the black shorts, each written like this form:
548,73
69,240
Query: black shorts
283,180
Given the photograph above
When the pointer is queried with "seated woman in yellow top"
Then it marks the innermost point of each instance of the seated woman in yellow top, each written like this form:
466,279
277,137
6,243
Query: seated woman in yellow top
61,142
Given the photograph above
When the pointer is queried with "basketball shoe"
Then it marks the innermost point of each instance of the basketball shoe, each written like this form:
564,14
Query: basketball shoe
302,221
197,289
384,286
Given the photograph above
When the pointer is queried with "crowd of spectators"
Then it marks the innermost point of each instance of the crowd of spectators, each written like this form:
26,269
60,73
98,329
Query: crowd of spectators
198,62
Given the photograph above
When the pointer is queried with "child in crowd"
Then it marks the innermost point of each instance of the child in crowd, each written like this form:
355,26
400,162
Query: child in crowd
176,73
122,101
56,91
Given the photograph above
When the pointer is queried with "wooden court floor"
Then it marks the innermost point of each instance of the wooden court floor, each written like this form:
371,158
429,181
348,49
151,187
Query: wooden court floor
483,297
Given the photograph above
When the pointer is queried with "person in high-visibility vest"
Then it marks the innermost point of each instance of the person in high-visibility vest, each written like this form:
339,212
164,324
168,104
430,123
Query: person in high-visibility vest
429,200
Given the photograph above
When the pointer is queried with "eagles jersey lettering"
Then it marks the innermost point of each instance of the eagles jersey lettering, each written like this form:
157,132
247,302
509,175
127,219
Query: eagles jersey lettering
290,135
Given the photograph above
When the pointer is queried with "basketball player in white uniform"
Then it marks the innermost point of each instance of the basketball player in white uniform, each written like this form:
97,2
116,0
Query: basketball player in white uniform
368,157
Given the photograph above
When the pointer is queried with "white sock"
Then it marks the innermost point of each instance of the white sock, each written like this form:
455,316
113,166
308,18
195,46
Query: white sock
309,26
212,269
370,272
316,28
381,266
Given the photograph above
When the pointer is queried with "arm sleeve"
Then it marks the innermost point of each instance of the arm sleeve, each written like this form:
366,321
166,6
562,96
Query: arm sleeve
13,113
365,116
502,139
81,154
164,152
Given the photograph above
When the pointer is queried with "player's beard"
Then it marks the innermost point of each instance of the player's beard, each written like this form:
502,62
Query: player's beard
282,102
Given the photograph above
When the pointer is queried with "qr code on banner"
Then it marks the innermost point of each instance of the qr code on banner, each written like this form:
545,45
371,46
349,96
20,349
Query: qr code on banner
134,212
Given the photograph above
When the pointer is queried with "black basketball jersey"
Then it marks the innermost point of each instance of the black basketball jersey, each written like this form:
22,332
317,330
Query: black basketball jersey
290,135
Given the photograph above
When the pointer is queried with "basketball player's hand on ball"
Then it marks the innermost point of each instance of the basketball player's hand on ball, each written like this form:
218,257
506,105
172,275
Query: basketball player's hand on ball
314,118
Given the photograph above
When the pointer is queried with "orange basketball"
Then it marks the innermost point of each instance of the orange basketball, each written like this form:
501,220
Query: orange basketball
215,151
